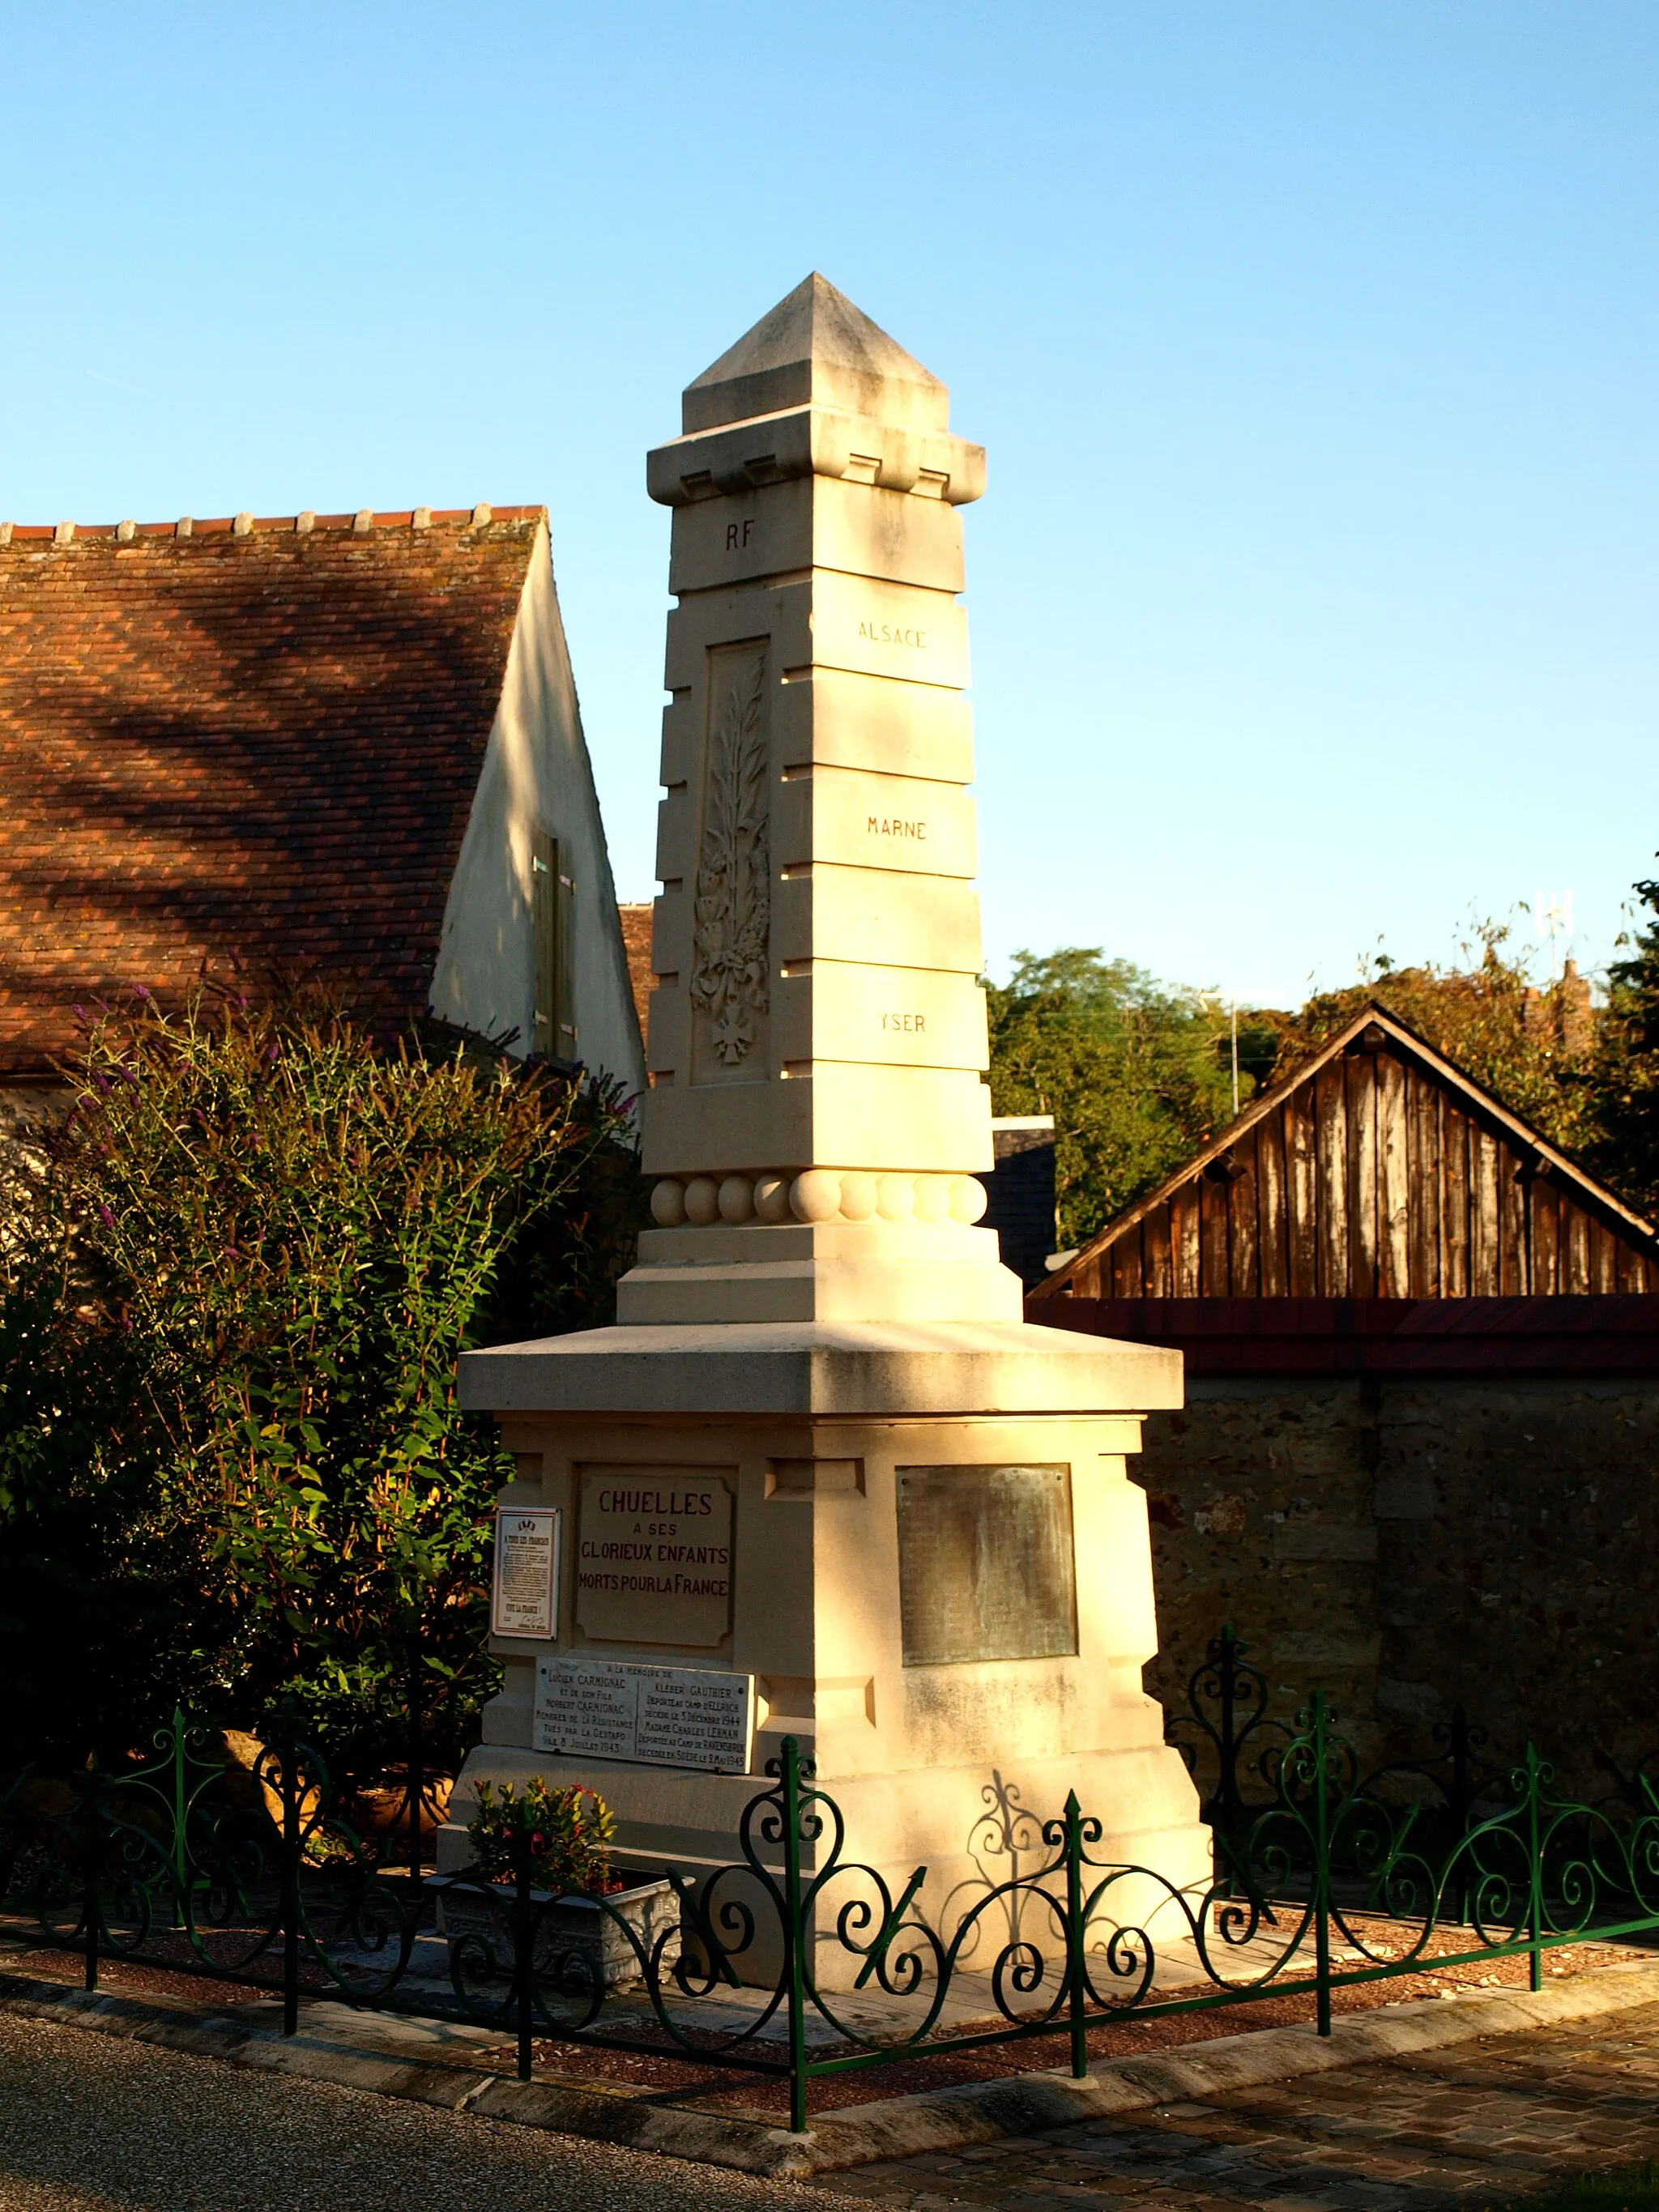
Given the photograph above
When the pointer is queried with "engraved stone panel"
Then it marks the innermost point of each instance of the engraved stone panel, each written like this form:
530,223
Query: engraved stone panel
732,911
906,1017
888,629
889,821
816,522
986,1565
654,1555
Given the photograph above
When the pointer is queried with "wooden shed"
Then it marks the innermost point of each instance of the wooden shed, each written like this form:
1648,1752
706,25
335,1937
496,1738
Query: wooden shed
1376,1170
1419,1455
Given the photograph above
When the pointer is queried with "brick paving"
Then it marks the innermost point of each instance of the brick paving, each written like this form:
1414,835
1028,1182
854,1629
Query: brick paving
1471,2125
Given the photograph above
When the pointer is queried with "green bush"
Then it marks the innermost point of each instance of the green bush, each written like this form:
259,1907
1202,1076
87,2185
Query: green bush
567,1836
238,1273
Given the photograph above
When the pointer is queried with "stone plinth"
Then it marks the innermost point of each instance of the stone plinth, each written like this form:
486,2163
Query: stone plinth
854,1601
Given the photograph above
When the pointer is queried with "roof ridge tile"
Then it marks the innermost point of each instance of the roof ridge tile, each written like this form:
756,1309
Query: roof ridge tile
478,517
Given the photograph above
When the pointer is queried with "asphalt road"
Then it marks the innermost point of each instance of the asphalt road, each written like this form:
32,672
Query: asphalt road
91,2124
88,2122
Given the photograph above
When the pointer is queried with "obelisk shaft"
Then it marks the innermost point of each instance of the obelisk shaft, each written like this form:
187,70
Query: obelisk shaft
817,1036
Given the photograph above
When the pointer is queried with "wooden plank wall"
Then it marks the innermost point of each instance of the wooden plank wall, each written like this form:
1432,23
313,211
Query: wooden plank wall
1371,1181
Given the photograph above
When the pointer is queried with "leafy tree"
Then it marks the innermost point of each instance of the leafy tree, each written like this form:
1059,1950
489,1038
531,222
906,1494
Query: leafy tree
1531,1048
1135,1074
240,1272
1138,1073
1624,1085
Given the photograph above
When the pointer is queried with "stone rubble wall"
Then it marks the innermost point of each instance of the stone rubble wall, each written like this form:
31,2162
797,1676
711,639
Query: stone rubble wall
1406,1544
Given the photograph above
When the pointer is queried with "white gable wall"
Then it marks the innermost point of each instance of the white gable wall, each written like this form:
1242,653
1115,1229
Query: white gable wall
536,776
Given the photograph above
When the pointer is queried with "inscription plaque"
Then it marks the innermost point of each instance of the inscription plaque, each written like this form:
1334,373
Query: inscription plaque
986,1565
655,1716
654,1555
524,1590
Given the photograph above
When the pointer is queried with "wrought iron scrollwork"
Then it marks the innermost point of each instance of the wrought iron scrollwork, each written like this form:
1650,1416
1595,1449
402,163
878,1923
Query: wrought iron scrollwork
796,1960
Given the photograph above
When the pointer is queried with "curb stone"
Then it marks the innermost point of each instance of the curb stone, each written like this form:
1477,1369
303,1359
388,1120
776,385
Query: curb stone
858,2134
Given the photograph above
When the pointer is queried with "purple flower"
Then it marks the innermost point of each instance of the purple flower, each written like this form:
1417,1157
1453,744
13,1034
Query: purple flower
106,1217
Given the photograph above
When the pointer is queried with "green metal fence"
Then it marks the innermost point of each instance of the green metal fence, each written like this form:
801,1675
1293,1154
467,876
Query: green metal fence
797,1962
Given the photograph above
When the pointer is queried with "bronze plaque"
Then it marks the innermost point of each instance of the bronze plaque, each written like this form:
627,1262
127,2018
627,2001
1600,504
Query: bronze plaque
985,1566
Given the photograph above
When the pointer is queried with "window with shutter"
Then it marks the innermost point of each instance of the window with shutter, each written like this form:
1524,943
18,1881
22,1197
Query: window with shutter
552,910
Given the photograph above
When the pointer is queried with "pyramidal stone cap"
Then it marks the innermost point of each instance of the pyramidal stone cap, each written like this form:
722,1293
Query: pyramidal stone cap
816,349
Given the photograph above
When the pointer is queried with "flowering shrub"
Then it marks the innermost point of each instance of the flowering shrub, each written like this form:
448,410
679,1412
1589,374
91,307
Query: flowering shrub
568,1834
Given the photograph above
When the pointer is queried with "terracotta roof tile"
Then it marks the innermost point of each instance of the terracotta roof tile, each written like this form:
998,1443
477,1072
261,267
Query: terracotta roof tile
636,920
258,747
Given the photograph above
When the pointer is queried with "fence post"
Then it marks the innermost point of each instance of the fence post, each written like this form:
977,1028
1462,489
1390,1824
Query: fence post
1227,1796
1535,1869
1322,1868
524,1937
1462,1798
1075,1973
181,1869
794,1935
414,1781
92,1867
293,1848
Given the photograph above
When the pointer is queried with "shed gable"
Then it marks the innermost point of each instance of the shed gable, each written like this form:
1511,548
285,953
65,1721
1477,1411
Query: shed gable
1377,1171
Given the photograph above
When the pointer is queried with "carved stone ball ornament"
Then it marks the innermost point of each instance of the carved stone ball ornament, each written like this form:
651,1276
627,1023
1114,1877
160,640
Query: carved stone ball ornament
819,1195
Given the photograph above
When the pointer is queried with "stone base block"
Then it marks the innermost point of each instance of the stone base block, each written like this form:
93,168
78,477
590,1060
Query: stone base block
828,1271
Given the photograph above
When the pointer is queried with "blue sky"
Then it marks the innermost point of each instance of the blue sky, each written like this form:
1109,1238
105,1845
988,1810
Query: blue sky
1313,599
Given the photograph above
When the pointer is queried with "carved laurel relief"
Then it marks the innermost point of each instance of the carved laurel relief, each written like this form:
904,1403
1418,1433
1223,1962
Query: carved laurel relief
732,908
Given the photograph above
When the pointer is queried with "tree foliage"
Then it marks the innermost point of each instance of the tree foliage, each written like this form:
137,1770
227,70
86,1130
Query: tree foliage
1624,1087
1530,1047
232,1458
1130,1069
1137,1074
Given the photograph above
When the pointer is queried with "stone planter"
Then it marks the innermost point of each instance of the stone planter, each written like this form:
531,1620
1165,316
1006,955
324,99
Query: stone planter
575,1940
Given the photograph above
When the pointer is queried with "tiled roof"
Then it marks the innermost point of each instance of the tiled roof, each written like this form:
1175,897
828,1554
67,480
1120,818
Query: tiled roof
247,741
635,922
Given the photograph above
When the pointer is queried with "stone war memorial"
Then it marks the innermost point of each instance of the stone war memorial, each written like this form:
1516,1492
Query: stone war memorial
821,1479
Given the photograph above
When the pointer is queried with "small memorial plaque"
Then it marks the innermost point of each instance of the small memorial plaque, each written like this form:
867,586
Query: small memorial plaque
658,1715
653,1558
524,1596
